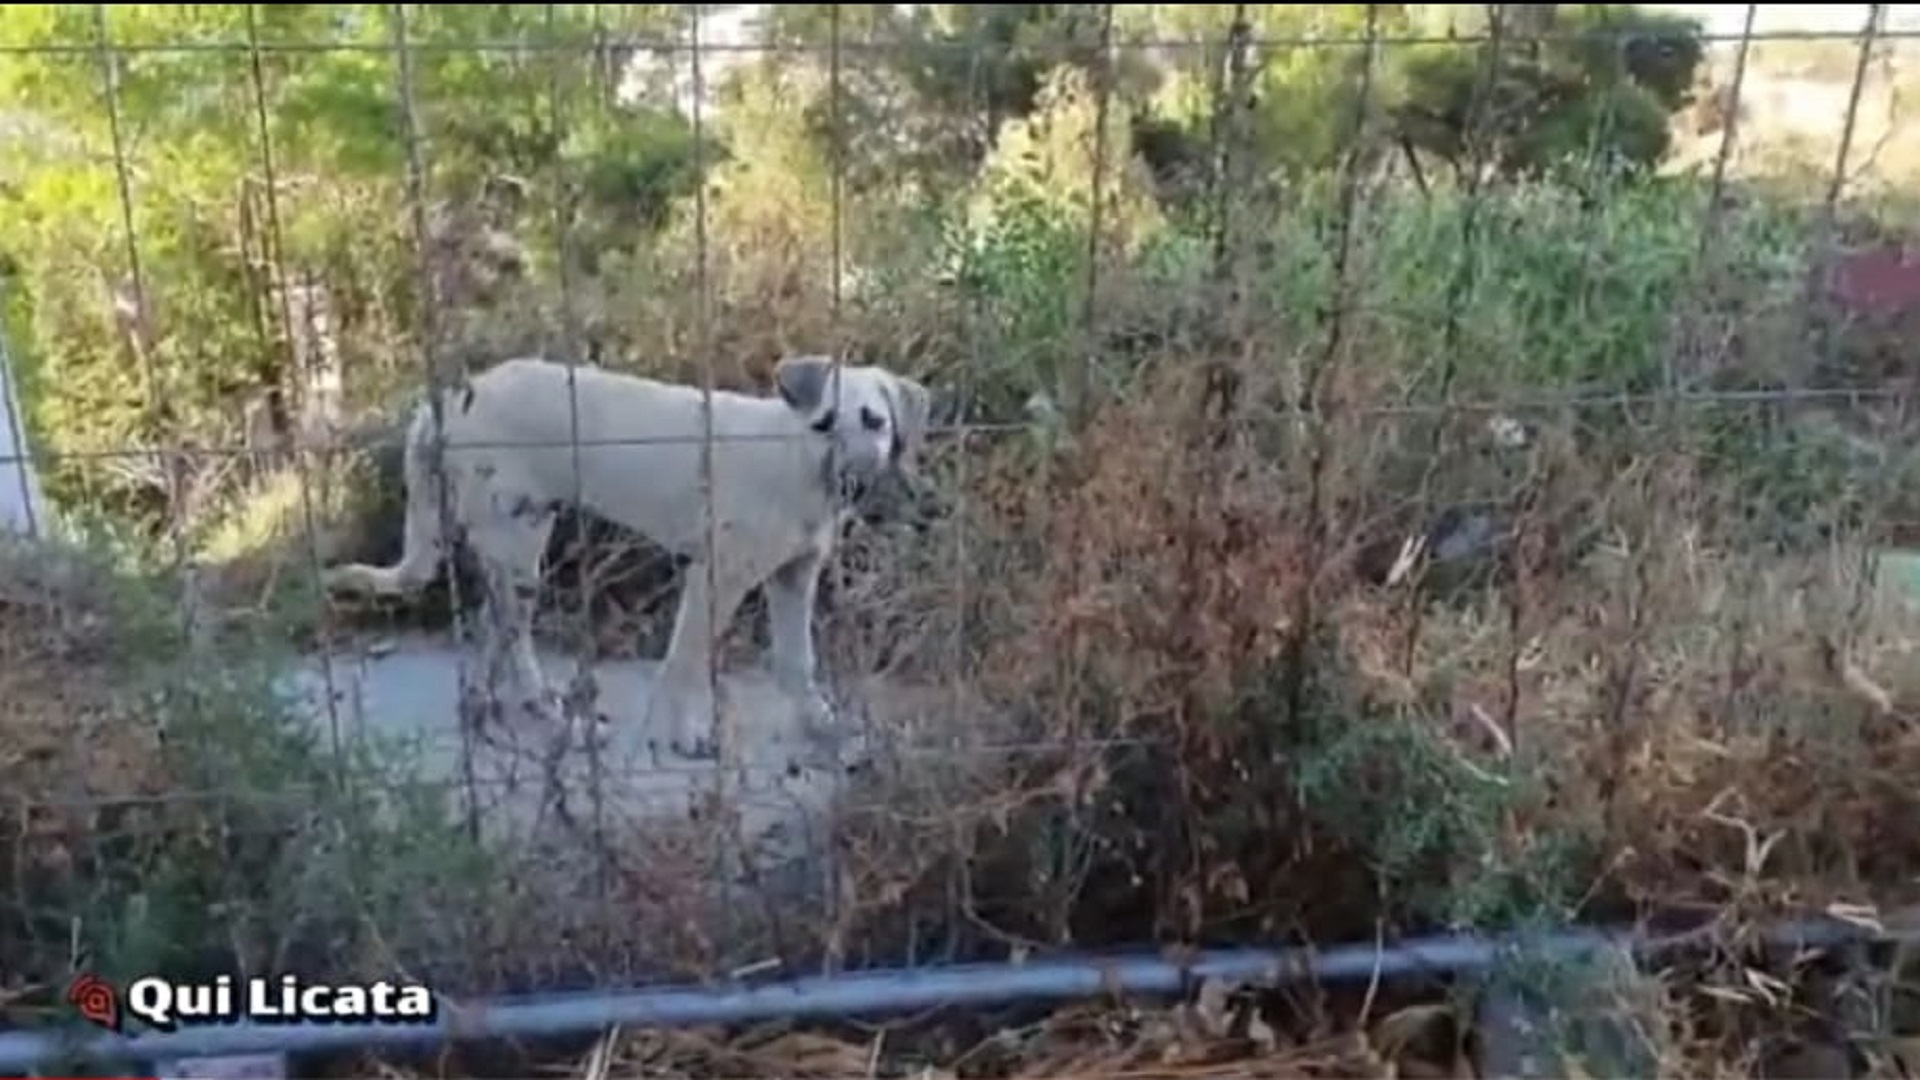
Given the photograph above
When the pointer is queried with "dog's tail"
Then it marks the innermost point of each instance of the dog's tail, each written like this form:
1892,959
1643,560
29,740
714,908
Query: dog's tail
423,548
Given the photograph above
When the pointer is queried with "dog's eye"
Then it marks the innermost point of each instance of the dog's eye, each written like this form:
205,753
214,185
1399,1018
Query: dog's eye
871,420
825,423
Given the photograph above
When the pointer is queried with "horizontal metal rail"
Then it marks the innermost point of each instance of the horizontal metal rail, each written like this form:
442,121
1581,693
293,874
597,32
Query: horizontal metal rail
868,993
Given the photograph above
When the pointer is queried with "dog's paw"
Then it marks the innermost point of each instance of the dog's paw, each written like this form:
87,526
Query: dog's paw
545,705
695,748
592,732
693,735
480,712
817,715
688,717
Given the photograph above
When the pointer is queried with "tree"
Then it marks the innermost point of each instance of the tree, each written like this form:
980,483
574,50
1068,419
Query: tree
926,88
1298,73
1555,85
1543,87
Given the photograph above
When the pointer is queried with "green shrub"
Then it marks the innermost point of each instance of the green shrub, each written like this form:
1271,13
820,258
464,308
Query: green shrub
236,830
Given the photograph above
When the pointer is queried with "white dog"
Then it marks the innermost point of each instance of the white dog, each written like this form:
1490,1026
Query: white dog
785,470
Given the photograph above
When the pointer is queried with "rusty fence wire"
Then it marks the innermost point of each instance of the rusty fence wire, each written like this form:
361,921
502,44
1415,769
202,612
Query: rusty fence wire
1240,326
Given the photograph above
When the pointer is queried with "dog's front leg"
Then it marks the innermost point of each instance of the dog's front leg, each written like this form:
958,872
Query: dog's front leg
791,593
682,701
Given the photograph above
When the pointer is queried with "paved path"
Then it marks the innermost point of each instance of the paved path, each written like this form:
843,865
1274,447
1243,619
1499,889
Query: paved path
407,691
683,874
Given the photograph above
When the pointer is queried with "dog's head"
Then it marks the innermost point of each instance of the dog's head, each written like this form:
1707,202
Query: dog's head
877,419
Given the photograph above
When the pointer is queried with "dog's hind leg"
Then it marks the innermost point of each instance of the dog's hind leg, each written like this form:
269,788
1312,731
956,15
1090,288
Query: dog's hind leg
510,548
791,592
502,612
493,654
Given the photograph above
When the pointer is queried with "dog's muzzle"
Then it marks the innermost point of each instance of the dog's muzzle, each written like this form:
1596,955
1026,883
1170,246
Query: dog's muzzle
856,484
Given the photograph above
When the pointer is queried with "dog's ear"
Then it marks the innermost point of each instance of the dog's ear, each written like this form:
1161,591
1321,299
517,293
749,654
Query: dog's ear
803,381
911,403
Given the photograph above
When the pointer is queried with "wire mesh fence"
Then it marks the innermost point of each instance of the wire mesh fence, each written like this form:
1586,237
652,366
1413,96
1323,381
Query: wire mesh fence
1386,465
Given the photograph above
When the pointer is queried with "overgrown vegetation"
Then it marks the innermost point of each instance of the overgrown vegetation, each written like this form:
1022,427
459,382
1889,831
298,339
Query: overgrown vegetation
1298,638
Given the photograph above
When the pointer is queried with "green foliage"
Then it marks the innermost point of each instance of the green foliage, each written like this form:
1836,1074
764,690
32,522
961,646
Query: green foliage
934,79
631,173
201,132
1023,245
1544,257
315,836
1599,91
1014,262
1570,1014
1434,824
1304,90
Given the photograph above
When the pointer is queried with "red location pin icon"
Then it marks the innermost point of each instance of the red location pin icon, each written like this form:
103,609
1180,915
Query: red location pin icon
95,999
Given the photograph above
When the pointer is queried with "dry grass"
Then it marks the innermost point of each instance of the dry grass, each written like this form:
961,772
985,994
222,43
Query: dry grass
1654,723
1793,94
80,760
1209,1038
1217,1033
72,735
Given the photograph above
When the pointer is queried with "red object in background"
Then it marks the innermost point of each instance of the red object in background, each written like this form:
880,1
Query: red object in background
1880,280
